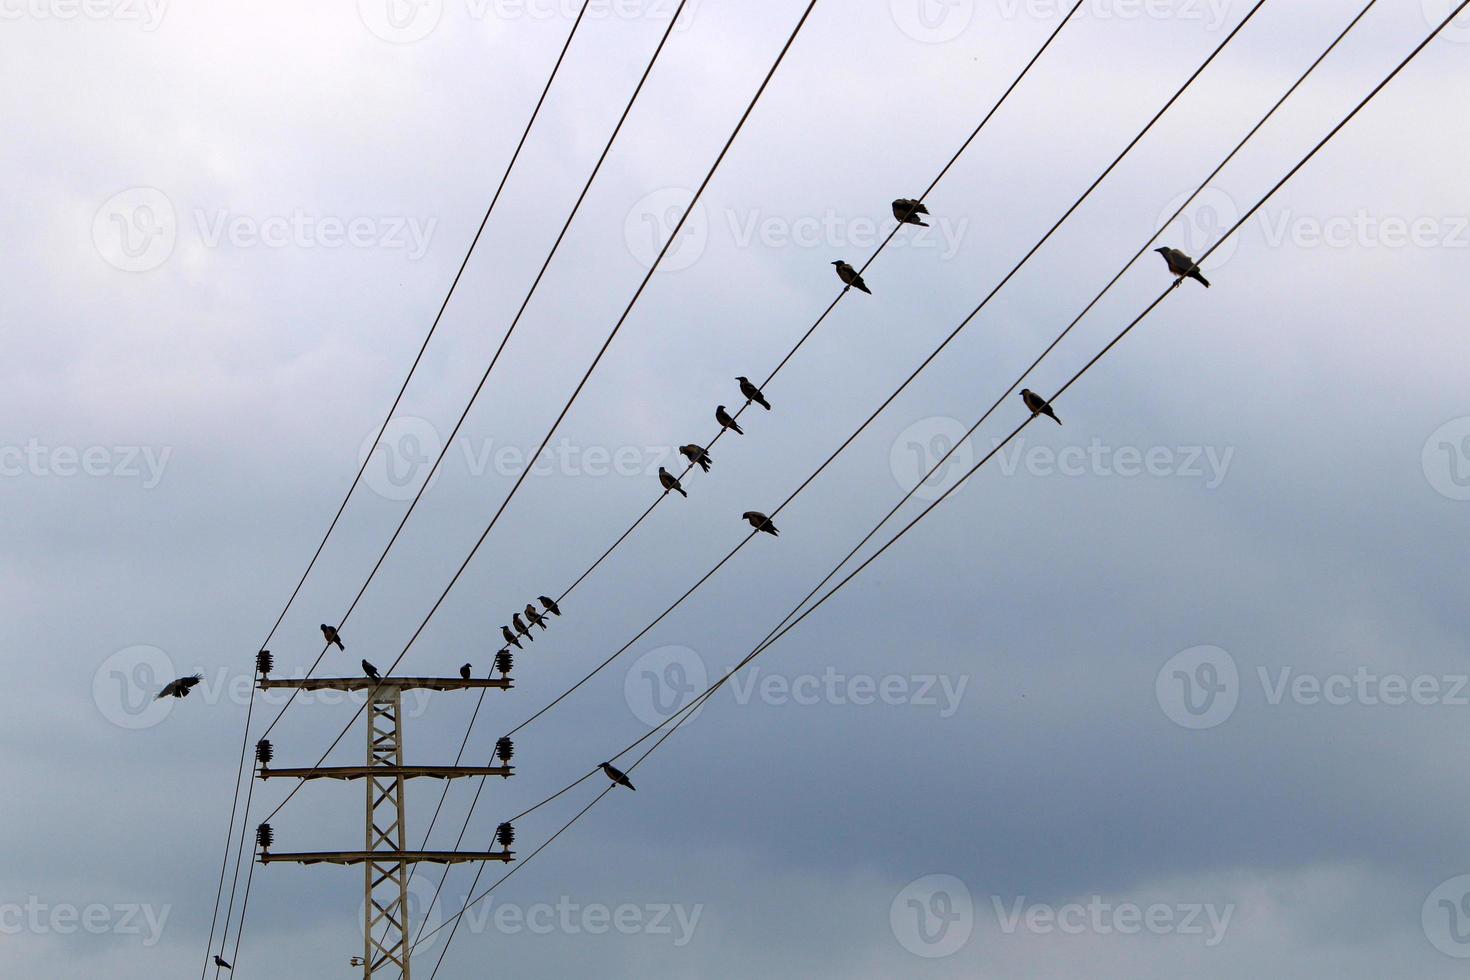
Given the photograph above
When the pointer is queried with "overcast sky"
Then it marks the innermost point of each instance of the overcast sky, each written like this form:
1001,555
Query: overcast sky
1175,689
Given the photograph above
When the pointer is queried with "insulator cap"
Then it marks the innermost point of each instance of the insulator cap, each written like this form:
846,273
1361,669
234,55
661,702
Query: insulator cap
264,836
503,662
264,663
505,834
264,752
504,748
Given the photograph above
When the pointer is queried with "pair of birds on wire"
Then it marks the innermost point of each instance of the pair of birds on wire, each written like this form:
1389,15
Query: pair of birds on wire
334,639
698,455
548,605
907,211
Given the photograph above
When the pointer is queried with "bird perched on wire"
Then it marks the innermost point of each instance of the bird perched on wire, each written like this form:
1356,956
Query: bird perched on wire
1182,265
371,671
179,688
727,421
850,276
220,962
510,637
761,522
1038,405
752,393
520,626
618,776
907,211
533,617
697,455
333,639
465,672
549,604
670,482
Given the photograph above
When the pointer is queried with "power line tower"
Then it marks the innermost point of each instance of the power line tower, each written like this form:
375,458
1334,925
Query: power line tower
384,857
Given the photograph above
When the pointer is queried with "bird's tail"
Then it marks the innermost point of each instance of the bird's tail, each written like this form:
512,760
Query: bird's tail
1197,274
863,287
921,223
763,404
738,431
682,493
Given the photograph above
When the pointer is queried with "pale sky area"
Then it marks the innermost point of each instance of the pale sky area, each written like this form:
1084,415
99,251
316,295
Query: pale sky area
1178,688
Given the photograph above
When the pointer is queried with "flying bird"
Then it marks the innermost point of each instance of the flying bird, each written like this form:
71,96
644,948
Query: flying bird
371,671
465,672
521,627
907,211
723,417
1038,405
179,688
1182,265
533,617
697,455
549,604
220,962
510,637
670,482
761,522
850,276
618,776
330,632
752,393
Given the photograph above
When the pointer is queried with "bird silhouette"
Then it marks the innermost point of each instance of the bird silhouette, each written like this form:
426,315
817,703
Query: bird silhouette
752,393
533,617
850,276
618,776
549,604
907,211
510,637
723,417
465,672
371,671
179,688
219,962
333,639
1182,265
1038,405
761,522
697,455
670,482
521,627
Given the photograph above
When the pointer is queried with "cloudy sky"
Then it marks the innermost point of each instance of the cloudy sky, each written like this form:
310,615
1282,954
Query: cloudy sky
1177,688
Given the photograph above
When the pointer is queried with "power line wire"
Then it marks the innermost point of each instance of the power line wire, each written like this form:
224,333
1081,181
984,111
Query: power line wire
388,418
685,712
